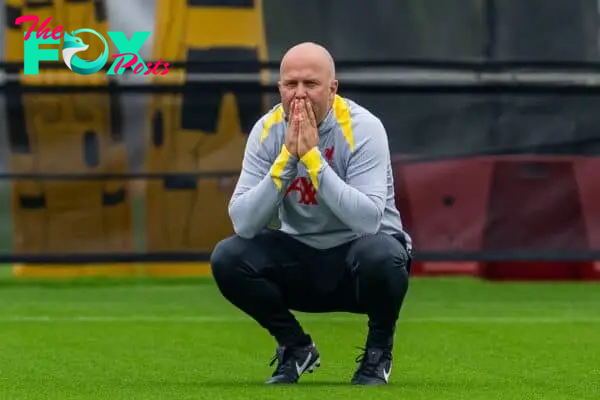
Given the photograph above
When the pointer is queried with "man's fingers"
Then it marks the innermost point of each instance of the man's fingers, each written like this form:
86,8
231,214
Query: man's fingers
311,113
310,119
301,109
296,111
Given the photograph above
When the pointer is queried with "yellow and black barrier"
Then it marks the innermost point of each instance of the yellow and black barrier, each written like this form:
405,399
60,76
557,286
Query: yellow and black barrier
201,129
76,133
81,222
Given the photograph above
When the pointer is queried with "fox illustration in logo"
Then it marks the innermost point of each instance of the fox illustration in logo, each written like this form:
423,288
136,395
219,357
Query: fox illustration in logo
73,45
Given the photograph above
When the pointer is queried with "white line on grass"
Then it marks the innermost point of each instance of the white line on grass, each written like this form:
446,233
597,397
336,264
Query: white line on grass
307,318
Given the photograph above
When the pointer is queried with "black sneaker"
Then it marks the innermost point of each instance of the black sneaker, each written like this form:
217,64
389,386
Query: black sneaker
292,362
375,367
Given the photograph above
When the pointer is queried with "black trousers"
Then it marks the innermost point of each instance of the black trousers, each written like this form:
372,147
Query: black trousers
273,273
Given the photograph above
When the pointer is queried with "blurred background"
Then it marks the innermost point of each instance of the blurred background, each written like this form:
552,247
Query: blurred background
491,107
114,191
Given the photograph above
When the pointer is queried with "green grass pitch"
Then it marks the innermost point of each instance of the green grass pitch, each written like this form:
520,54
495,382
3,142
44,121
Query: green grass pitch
458,338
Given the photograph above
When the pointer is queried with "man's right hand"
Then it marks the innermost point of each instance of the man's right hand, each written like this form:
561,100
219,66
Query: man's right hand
291,136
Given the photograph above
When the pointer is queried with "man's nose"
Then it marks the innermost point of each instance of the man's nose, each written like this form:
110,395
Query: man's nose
300,92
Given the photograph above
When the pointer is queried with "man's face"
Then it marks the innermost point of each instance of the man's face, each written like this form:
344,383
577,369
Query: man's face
303,78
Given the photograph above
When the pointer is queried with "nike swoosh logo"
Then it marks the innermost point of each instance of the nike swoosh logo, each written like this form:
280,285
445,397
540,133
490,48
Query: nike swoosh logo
300,368
386,374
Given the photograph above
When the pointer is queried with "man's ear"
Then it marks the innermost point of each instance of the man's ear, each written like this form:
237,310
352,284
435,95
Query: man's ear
334,86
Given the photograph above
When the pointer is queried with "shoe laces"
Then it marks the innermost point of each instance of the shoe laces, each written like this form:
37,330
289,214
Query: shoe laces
282,356
369,360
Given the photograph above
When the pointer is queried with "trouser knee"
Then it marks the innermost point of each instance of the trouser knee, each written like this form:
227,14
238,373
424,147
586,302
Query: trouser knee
382,261
226,261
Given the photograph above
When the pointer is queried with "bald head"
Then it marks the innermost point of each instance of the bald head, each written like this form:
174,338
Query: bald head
307,70
309,52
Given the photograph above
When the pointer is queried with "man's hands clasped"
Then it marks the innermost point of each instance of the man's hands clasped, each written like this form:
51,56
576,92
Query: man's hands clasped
291,136
302,134
308,136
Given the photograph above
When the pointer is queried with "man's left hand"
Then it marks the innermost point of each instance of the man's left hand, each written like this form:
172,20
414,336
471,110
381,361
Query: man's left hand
308,136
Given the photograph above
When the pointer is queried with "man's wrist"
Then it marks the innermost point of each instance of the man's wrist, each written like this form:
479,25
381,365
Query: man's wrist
312,159
314,163
284,165
285,152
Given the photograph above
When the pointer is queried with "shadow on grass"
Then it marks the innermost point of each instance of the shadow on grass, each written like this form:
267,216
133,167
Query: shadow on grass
398,384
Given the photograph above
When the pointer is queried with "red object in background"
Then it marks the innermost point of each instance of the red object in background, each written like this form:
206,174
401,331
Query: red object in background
587,174
443,205
502,204
534,206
